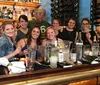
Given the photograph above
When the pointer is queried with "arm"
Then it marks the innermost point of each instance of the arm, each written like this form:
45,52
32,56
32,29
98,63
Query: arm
17,51
44,42
88,36
76,37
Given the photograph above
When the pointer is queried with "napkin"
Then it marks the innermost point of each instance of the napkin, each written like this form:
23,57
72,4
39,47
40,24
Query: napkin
4,61
16,67
94,62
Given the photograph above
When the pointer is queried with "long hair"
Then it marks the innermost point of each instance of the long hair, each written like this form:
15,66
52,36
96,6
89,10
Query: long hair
29,40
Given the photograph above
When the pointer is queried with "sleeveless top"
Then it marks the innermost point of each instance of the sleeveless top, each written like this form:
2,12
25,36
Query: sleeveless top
67,35
25,47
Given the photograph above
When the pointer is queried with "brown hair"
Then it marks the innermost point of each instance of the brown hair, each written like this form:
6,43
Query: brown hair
30,37
6,23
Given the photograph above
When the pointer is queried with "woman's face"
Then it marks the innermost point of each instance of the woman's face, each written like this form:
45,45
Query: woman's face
23,23
9,30
51,34
71,24
85,24
55,23
35,33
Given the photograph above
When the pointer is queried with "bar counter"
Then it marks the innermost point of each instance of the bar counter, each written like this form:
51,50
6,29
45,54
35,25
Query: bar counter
53,76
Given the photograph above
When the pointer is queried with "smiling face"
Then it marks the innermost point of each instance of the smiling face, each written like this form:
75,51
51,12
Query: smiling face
23,23
35,33
40,14
55,23
51,35
9,30
85,24
71,24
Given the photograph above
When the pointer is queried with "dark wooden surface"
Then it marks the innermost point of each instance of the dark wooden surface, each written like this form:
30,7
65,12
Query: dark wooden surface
46,73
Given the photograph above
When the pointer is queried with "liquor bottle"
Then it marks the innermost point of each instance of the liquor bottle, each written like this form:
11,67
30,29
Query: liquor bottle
60,55
79,45
95,48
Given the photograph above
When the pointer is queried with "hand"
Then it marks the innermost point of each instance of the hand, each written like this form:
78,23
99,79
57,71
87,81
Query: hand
25,52
4,61
88,35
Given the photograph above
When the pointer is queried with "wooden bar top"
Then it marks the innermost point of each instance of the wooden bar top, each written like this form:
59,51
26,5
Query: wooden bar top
52,76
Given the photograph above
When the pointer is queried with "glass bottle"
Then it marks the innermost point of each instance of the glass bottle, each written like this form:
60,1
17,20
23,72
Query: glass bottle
60,55
79,45
95,48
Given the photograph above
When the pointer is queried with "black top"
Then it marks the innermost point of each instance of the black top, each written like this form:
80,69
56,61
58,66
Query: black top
67,35
20,35
85,41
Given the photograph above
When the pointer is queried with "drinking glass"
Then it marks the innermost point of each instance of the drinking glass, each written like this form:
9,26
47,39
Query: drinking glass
31,57
53,61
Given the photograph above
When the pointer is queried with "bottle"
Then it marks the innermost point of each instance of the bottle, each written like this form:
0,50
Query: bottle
60,55
79,45
56,43
95,48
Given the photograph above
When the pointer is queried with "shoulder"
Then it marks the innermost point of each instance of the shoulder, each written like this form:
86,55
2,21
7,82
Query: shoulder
22,42
60,39
3,41
46,23
44,42
93,32
32,21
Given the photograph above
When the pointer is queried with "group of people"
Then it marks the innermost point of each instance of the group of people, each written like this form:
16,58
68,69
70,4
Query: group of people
15,40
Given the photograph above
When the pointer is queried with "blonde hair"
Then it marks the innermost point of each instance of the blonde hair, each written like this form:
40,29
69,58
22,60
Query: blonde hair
50,27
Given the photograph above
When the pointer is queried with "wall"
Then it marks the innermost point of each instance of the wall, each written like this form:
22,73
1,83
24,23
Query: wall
46,4
84,9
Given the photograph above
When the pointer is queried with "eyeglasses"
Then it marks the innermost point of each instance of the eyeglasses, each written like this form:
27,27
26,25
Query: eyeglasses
85,23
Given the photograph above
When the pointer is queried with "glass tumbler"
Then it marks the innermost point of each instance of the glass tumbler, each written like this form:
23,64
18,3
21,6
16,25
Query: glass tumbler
31,57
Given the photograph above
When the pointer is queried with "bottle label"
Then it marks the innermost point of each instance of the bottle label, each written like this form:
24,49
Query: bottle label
79,43
61,57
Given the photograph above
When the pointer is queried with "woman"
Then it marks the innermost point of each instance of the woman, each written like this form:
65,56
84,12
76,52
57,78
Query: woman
22,30
32,41
69,32
56,25
6,42
88,36
51,37
52,40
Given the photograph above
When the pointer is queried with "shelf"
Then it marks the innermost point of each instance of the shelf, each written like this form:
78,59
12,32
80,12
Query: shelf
5,20
24,4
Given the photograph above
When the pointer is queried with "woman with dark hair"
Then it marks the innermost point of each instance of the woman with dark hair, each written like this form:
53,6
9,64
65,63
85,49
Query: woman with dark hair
33,41
69,32
88,35
56,25
22,30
